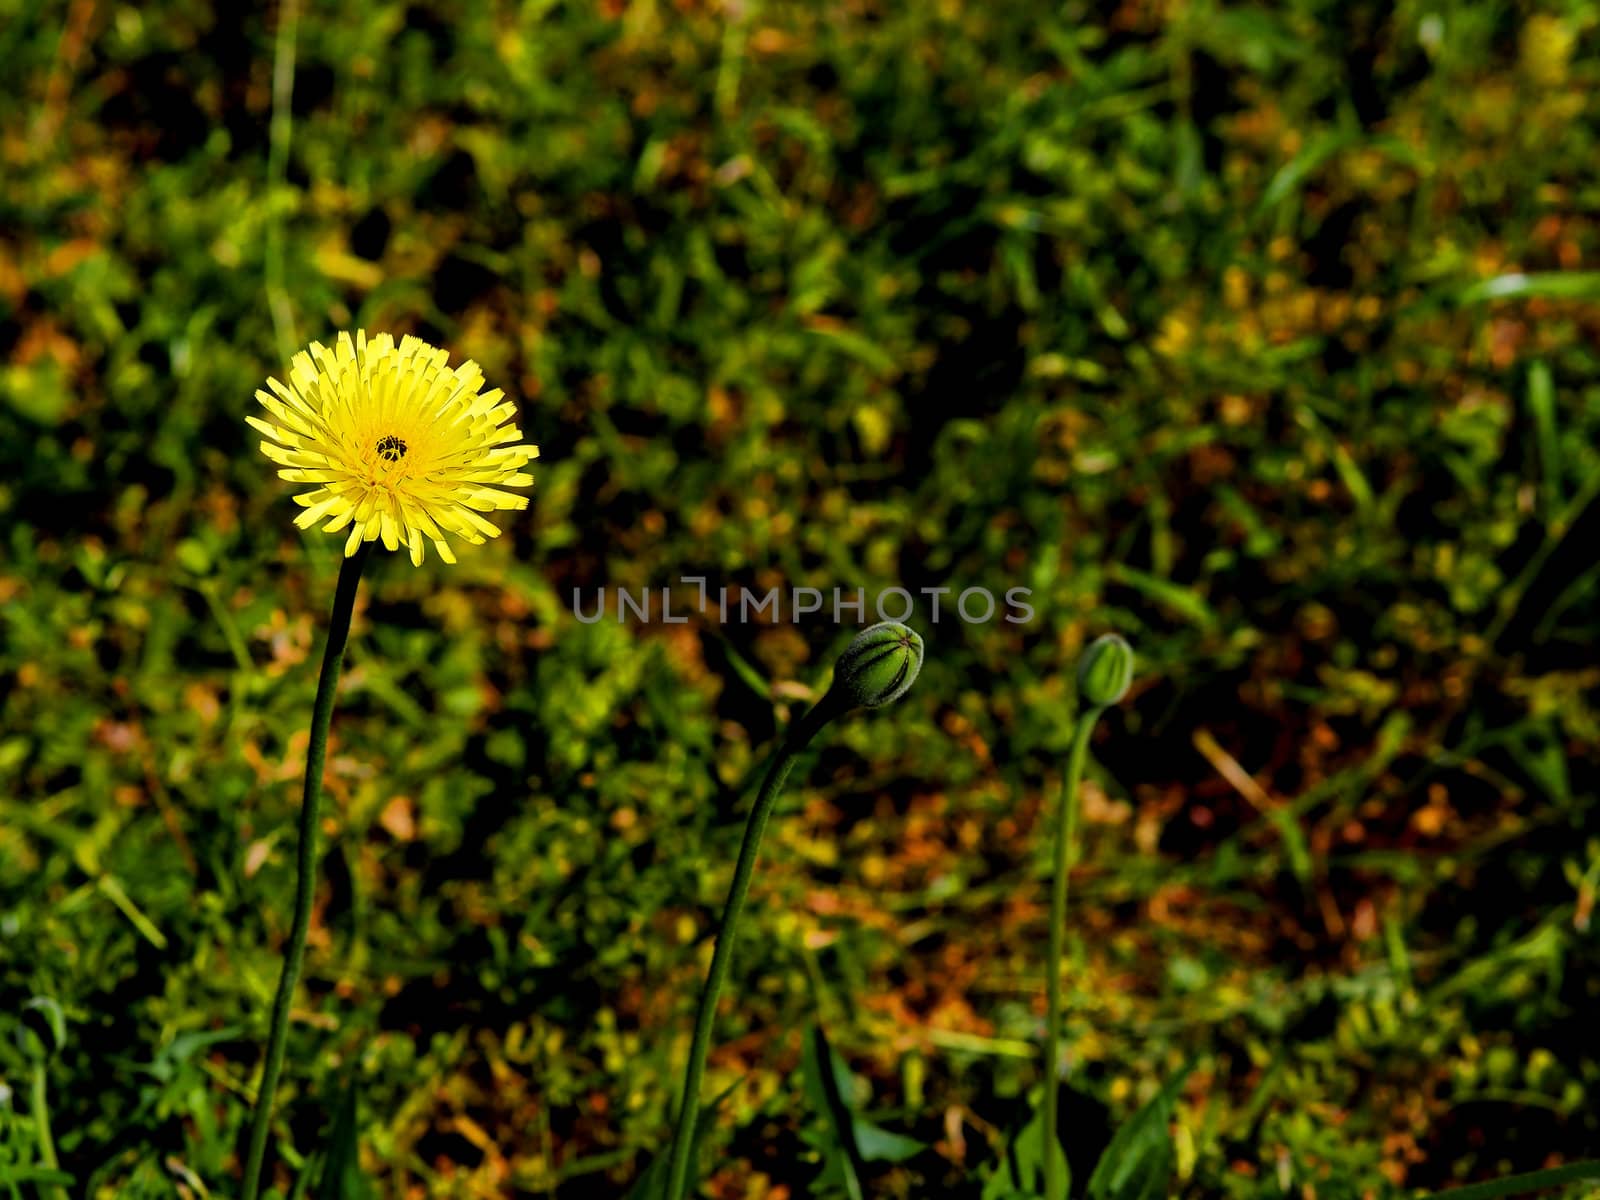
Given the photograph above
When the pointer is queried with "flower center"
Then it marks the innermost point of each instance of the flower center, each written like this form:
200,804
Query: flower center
391,449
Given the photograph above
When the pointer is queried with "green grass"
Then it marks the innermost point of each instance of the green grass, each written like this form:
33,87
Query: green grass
1264,335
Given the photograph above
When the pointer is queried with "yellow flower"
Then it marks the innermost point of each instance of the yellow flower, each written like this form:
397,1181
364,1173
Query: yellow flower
402,447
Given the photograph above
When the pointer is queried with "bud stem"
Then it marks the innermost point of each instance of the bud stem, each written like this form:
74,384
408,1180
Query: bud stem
344,600
1066,853
799,736
38,1102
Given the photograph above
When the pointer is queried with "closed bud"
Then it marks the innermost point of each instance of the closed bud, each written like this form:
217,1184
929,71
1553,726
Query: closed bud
879,666
1105,671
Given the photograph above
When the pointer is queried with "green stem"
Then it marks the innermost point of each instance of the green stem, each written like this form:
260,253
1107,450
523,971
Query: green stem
1066,852
689,1107
344,600
41,1128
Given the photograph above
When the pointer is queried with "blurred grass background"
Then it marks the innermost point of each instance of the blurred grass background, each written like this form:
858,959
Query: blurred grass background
1266,335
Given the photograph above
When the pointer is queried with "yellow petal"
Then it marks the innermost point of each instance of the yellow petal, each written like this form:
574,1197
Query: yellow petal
389,531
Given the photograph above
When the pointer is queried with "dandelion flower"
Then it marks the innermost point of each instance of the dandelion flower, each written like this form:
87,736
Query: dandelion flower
400,446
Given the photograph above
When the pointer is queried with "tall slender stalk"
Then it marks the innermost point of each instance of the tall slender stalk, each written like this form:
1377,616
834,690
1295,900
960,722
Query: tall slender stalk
1066,852
344,600
877,668
755,825
1104,674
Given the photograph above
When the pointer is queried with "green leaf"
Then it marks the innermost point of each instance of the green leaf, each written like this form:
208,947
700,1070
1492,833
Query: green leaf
1541,398
826,1080
1020,1174
753,678
41,1176
851,1140
877,1144
1553,285
1137,1165
341,1171
652,1185
1254,37
857,345
40,393
1300,168
1349,472
1180,600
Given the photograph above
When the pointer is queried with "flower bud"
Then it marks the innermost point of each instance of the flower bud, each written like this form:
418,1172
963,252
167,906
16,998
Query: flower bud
1105,671
879,666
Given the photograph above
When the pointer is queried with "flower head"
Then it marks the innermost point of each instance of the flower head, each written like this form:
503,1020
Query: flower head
399,446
